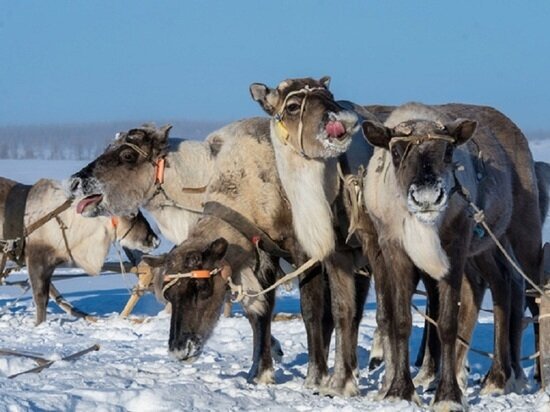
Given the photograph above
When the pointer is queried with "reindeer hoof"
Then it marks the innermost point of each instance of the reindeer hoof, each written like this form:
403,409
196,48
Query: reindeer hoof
426,380
451,406
316,381
267,377
495,383
346,388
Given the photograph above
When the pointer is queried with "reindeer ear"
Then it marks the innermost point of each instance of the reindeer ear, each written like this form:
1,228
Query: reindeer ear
218,248
376,133
165,130
163,133
266,97
153,260
325,81
462,130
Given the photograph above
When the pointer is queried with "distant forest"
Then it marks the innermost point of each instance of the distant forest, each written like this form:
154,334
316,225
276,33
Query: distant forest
80,141
87,140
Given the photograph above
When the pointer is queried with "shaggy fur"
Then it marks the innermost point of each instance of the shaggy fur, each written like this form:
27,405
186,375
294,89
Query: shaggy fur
237,165
305,153
88,239
504,175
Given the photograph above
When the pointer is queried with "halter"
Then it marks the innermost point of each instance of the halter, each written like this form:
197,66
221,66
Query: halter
416,140
282,130
172,279
114,223
159,164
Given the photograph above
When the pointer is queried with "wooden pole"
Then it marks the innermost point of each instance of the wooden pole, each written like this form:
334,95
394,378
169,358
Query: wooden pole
74,356
145,277
67,306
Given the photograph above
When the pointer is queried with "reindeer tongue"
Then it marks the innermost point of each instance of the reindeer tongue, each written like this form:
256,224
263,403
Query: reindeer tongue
93,199
335,129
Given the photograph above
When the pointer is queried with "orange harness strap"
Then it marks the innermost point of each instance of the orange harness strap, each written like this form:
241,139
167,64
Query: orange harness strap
159,171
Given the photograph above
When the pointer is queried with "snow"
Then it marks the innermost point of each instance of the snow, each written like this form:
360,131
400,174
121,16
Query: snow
133,371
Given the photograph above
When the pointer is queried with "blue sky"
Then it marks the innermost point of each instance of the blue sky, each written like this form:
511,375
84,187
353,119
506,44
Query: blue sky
74,61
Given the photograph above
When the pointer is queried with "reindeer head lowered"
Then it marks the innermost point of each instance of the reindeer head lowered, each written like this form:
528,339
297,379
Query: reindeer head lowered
422,158
306,117
194,281
125,176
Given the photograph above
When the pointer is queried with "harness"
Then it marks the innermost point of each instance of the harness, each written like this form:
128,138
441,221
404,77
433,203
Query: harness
172,279
248,229
416,140
282,129
160,166
12,246
260,239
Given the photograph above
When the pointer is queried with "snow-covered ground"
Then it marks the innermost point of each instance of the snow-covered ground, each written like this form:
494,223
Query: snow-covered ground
132,370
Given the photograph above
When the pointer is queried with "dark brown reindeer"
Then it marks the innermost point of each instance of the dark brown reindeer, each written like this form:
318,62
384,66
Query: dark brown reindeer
309,129
237,164
68,237
414,195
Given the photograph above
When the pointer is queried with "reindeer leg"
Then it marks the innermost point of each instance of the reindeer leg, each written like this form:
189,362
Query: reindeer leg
499,283
448,395
262,361
313,303
471,295
362,284
403,281
427,375
40,274
517,312
342,286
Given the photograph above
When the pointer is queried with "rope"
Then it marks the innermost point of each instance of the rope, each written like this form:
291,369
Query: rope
479,218
241,293
459,338
44,219
116,246
63,228
306,91
10,305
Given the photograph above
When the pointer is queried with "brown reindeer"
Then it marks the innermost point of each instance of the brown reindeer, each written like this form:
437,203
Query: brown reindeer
309,129
235,167
418,202
87,240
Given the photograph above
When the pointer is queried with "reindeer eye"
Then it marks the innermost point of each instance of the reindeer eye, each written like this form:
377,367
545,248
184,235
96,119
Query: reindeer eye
293,108
128,156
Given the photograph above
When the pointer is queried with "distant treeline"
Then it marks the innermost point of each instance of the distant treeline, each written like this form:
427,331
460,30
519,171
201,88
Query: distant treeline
80,141
87,140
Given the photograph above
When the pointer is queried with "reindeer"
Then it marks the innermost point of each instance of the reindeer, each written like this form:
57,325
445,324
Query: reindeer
67,236
420,206
306,140
236,180
309,131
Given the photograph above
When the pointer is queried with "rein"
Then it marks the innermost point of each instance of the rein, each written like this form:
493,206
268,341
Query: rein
282,130
243,225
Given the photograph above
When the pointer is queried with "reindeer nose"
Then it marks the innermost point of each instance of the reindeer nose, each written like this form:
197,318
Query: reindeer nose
74,183
187,348
433,196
